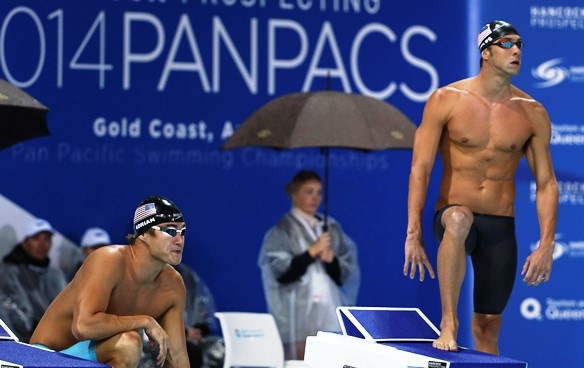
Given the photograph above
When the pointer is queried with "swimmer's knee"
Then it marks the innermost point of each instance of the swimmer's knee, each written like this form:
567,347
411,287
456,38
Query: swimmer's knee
485,331
131,344
131,341
123,350
486,326
457,220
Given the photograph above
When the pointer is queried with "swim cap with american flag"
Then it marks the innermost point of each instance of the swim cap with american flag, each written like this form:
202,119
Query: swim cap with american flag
493,31
155,210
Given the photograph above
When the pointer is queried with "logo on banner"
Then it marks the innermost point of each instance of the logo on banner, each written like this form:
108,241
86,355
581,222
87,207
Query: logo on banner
557,17
432,364
570,134
531,309
551,73
552,310
243,333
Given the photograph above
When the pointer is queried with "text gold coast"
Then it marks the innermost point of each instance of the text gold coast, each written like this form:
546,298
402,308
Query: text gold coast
155,128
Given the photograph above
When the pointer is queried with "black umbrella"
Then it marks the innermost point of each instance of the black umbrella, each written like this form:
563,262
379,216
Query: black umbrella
325,119
21,116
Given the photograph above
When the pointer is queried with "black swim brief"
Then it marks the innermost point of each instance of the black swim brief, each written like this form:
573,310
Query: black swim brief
492,245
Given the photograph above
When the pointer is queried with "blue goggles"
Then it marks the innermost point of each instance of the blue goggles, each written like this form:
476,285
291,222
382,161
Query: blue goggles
508,44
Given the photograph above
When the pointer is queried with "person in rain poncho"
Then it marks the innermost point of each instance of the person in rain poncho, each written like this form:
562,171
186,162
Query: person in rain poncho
307,272
28,283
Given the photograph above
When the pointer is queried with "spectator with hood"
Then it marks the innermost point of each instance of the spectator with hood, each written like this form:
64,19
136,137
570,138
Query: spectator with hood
28,283
308,269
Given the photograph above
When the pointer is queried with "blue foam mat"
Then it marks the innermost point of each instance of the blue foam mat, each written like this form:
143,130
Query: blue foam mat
463,358
401,327
31,357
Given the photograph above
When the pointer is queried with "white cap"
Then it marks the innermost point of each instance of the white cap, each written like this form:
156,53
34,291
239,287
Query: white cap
37,226
95,236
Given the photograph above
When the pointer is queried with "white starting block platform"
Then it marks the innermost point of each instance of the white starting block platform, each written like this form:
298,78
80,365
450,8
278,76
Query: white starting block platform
16,354
379,337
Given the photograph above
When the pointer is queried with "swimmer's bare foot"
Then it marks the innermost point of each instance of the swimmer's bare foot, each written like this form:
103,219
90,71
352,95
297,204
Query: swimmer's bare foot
446,341
445,344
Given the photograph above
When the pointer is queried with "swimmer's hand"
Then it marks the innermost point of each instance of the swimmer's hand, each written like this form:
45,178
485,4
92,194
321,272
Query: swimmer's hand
416,259
158,338
538,266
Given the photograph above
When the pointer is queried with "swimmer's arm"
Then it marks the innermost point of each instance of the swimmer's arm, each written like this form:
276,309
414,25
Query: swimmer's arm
538,265
540,162
172,323
95,283
426,141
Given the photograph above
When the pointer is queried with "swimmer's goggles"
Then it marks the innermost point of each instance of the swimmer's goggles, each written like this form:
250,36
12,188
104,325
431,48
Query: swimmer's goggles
170,231
508,44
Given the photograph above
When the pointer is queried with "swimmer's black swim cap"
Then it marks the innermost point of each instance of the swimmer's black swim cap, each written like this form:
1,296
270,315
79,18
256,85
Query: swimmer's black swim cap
493,31
155,210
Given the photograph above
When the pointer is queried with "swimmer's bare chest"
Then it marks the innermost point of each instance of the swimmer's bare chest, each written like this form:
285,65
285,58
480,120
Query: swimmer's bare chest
152,300
480,148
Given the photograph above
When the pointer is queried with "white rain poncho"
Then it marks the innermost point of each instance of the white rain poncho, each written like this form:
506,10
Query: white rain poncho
26,290
307,305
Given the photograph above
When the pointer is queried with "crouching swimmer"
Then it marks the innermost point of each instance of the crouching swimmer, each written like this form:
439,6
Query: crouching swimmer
120,290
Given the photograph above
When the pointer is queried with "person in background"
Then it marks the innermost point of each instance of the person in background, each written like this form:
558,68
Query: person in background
93,239
28,284
307,271
482,127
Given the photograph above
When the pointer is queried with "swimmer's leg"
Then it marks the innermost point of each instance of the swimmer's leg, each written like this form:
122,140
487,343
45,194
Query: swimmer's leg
457,221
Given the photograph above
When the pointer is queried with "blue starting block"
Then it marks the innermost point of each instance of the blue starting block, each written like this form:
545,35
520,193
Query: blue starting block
379,337
16,354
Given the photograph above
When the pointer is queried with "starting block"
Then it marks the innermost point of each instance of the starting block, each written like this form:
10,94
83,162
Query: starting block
16,354
379,337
